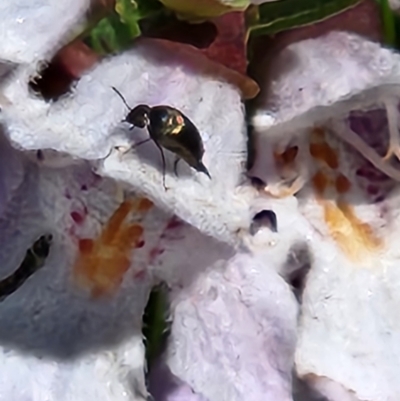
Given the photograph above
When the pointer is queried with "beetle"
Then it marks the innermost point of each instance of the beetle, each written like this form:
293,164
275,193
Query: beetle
169,128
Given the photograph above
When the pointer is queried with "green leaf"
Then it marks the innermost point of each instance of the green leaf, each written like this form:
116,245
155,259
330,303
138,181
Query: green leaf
389,23
200,10
131,11
128,12
110,35
271,18
116,31
155,324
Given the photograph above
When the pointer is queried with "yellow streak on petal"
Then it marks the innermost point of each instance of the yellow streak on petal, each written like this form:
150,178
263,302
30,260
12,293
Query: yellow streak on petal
354,237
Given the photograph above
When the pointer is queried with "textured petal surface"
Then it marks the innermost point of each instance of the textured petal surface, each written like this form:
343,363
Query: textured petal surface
73,331
233,314
147,74
300,92
351,291
54,336
164,386
235,332
26,24
348,339
11,172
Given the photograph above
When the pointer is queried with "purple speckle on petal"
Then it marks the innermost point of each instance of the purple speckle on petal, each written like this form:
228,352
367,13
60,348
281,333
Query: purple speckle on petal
372,127
372,190
174,223
140,275
370,173
77,217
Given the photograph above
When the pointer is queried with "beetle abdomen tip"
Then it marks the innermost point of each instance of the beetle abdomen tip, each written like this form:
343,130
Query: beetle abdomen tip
203,169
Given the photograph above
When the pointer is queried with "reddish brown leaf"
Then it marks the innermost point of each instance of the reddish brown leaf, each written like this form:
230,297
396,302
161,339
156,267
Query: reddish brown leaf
229,47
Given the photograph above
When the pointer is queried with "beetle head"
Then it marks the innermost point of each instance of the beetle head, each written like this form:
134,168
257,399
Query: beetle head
139,116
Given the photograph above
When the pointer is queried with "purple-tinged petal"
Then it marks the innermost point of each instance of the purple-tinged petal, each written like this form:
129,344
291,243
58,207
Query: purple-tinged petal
164,386
12,172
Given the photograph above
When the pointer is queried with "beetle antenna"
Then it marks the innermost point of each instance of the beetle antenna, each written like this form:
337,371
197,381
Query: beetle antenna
122,98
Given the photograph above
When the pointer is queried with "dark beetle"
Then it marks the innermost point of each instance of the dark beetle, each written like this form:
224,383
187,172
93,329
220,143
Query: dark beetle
169,129
33,261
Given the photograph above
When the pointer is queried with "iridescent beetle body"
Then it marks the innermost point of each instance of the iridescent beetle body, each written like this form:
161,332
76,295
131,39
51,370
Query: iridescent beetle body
171,129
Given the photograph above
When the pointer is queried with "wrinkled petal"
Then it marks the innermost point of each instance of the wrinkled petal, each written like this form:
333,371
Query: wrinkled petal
350,295
55,338
233,316
285,115
11,172
300,91
235,332
164,386
330,390
32,31
87,123
348,336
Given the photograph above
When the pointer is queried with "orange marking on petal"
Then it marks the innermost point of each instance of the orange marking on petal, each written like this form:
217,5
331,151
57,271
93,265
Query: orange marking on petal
320,182
86,245
107,279
131,236
353,236
342,184
287,157
145,205
323,152
102,263
318,133
365,230
278,158
290,154
116,220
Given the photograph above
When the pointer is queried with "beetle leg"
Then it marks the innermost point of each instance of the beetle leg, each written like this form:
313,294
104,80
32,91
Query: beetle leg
125,149
140,143
163,163
122,150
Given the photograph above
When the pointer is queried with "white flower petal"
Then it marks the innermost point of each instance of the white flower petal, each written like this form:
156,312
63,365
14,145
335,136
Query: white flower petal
11,172
54,339
88,123
33,30
316,79
234,318
349,335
